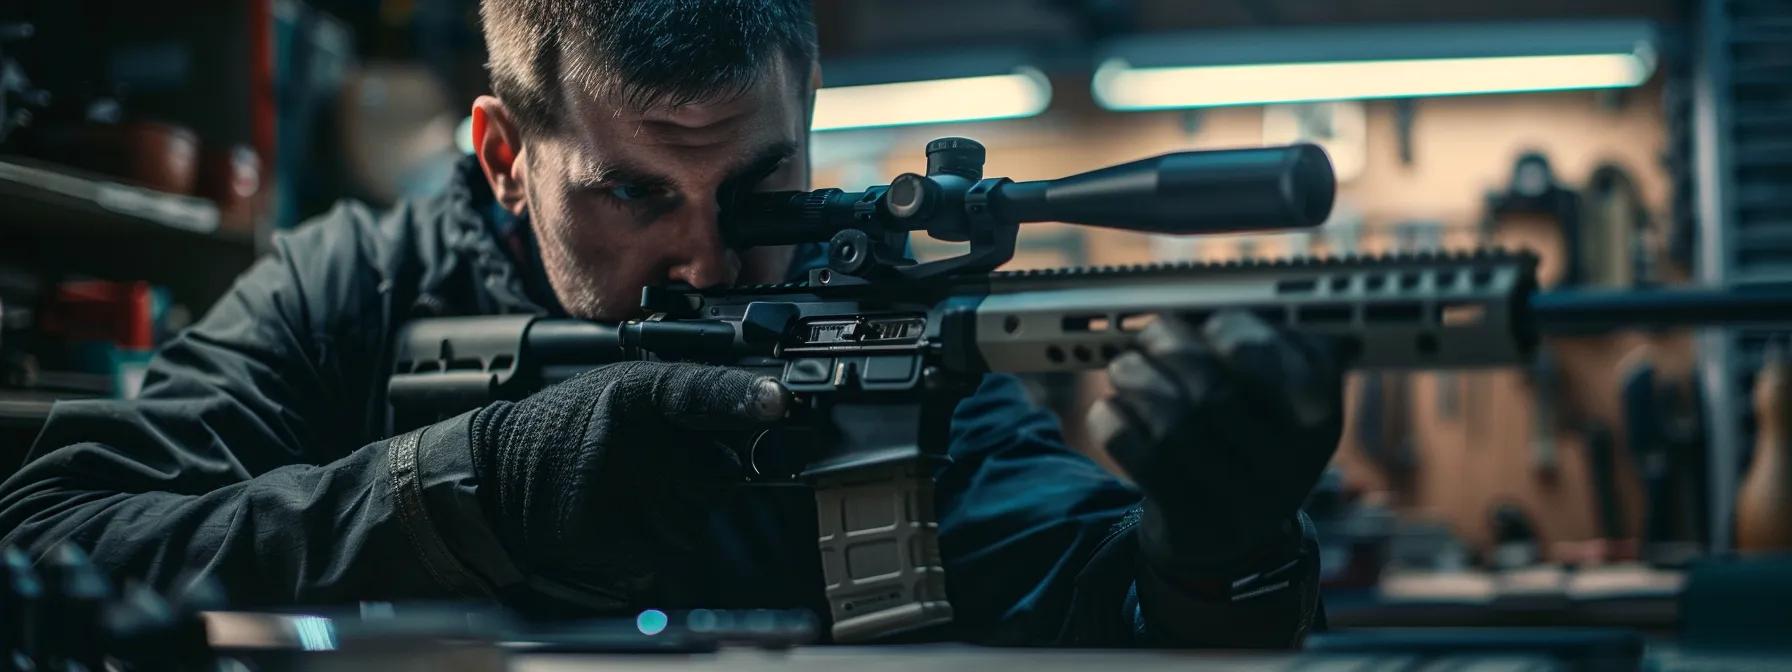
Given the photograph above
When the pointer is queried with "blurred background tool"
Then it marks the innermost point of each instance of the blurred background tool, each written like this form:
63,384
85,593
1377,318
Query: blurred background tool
1764,505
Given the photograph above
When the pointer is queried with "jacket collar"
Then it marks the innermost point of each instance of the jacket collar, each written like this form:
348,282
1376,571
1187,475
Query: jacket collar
501,249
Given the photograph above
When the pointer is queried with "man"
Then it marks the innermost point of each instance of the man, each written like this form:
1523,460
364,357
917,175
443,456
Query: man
618,132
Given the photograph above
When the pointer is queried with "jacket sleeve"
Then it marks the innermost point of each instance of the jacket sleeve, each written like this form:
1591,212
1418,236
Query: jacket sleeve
243,458
1039,546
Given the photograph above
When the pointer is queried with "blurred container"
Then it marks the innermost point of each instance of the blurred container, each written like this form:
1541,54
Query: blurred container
231,178
108,328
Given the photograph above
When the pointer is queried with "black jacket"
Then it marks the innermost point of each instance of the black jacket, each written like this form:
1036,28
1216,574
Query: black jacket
256,454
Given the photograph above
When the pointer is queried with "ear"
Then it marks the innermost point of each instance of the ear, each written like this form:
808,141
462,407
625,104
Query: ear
499,145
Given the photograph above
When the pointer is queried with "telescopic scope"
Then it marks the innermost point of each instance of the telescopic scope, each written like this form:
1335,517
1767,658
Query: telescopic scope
1214,191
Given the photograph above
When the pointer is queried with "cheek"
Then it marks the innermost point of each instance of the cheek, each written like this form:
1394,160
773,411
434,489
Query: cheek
579,230
576,243
621,255
551,217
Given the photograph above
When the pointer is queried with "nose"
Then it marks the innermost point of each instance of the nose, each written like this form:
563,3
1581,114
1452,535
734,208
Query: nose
700,258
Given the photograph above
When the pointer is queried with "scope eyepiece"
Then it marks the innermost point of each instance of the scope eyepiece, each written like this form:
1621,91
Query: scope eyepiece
910,195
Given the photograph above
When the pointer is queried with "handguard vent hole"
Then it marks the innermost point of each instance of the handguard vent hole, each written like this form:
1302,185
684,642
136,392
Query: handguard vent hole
1082,354
1086,323
1426,344
1136,321
1323,314
1462,314
1054,353
1303,286
1394,312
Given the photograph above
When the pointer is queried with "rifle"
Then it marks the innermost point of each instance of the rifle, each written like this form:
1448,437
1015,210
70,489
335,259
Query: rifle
879,349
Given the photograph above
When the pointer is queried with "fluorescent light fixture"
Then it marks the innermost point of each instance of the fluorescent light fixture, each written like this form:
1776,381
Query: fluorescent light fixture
1403,62
1023,93
1120,87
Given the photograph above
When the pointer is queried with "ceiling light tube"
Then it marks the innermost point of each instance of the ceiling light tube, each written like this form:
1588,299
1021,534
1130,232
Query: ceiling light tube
1023,93
1294,65
1120,87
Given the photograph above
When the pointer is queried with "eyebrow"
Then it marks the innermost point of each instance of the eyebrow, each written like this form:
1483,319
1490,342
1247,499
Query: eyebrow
759,164
762,163
619,171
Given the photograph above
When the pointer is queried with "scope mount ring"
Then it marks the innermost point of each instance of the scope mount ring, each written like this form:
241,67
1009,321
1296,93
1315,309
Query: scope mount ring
991,237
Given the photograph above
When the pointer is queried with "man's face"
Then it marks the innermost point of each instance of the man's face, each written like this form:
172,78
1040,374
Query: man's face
625,197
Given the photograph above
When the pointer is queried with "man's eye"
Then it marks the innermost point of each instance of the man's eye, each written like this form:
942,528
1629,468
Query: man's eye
630,192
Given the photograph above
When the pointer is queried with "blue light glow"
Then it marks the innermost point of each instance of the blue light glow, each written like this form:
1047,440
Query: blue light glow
463,135
314,633
651,622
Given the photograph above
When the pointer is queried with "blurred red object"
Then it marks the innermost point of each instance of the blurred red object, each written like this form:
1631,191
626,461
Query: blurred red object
121,313
160,156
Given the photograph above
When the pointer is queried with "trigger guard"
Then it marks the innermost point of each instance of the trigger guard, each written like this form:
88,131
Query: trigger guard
777,454
753,470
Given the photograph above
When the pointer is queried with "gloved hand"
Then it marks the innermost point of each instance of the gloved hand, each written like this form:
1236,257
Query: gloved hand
589,481
1225,426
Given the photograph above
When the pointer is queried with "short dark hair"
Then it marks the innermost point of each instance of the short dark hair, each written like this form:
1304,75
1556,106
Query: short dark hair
650,52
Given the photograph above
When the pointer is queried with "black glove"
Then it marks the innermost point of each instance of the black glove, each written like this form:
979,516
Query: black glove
590,481
1226,427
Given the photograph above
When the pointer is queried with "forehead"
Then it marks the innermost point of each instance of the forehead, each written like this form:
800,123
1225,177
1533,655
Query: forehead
771,110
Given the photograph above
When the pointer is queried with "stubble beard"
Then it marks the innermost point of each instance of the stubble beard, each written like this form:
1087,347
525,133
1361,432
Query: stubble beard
579,291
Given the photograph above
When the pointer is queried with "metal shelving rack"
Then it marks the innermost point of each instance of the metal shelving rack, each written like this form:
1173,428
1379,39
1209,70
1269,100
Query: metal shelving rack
63,220
1741,141
57,222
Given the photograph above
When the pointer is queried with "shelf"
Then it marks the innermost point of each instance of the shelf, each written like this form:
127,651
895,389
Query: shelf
61,221
28,409
64,199
24,412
